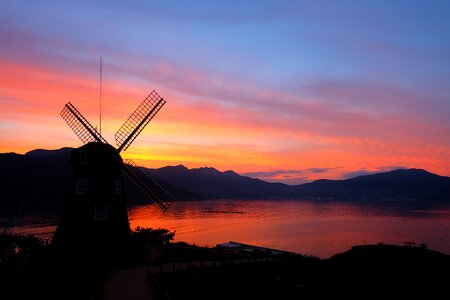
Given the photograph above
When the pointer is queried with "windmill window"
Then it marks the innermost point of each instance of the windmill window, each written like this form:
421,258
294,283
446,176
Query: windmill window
101,212
83,157
118,186
82,184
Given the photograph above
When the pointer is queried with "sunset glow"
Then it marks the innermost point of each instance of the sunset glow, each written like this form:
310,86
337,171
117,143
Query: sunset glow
266,88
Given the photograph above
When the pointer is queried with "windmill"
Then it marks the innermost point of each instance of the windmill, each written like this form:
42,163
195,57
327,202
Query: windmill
96,217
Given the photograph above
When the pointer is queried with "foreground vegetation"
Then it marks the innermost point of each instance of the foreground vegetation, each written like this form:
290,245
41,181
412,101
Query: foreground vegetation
30,267
362,272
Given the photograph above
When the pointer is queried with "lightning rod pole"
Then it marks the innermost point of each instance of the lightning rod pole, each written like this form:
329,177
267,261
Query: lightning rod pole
100,95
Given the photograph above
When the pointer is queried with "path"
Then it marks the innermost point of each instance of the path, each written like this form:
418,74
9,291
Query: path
132,283
128,284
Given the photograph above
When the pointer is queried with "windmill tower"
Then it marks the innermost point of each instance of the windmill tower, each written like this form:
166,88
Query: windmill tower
95,222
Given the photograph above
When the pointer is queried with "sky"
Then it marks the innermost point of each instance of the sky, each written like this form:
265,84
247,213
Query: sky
284,91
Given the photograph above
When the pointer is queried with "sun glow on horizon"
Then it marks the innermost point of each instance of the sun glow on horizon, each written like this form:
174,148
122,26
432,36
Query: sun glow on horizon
293,110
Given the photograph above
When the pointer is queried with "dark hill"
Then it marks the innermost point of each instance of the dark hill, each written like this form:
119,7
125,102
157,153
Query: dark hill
45,153
402,185
385,269
38,176
43,176
213,184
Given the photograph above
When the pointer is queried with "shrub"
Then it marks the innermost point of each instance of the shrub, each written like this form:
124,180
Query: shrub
16,244
149,236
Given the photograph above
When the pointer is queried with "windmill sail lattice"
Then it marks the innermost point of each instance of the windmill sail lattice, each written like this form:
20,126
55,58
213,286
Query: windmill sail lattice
138,120
148,185
82,128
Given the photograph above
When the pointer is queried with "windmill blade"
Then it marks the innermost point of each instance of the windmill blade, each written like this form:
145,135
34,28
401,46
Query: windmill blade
148,185
138,120
82,128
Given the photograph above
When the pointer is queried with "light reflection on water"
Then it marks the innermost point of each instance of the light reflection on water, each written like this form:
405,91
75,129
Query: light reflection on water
320,229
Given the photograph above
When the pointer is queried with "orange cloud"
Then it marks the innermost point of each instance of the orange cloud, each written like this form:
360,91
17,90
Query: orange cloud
255,130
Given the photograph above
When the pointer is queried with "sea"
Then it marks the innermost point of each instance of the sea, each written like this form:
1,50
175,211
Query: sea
319,229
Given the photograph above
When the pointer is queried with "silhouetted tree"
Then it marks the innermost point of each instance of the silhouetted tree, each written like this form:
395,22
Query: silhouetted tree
15,244
149,236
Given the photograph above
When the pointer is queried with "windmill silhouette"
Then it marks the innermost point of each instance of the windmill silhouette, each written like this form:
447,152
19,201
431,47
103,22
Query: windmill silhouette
96,218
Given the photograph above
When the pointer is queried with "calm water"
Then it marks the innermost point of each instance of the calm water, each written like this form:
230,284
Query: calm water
303,227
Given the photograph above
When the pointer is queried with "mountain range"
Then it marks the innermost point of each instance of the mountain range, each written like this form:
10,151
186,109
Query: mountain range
43,176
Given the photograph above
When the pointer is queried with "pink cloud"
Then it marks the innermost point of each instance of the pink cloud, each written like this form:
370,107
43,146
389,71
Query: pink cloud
246,123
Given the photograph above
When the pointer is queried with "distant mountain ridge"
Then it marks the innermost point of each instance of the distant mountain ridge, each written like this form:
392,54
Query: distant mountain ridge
43,176
44,152
402,184
213,184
